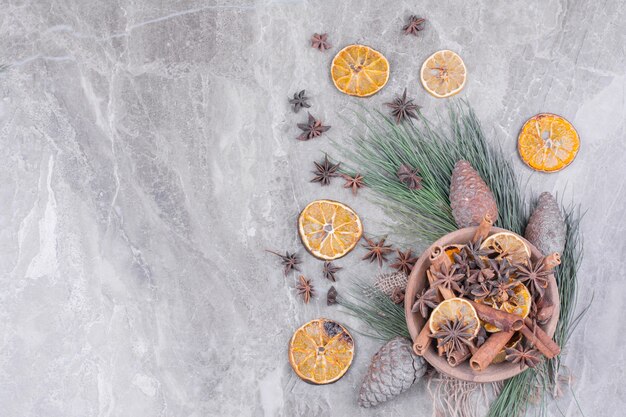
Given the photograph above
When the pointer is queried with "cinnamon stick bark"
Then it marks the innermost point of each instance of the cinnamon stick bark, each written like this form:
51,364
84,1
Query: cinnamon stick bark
488,351
483,229
422,341
501,319
551,348
458,357
438,258
553,260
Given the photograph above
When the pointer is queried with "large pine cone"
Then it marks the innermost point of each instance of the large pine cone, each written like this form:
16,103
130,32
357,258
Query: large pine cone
393,370
546,227
470,198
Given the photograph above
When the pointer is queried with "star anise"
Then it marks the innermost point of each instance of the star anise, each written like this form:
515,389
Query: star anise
331,296
535,275
409,177
330,270
481,337
480,275
289,261
299,101
502,269
403,108
415,25
447,277
525,356
320,41
453,335
305,288
473,251
463,263
377,251
397,296
480,291
311,129
427,298
405,261
355,182
324,171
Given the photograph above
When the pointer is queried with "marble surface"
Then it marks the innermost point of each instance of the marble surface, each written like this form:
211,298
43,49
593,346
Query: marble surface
147,157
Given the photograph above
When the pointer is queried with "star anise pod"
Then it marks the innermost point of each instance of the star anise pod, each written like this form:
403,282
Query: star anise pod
480,275
320,41
324,171
311,129
480,291
535,275
330,270
473,251
289,261
415,25
403,108
331,296
299,101
405,261
377,251
355,182
409,177
481,337
427,299
305,288
448,278
453,335
502,269
463,263
525,356
397,296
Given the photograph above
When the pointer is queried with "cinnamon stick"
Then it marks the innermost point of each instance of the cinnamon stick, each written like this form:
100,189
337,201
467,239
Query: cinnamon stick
538,344
551,348
458,357
439,258
501,319
488,351
422,341
483,229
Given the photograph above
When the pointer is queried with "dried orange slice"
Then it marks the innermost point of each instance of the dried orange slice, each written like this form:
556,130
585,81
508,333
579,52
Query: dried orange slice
452,250
548,142
507,245
443,74
329,229
321,351
452,309
359,70
518,305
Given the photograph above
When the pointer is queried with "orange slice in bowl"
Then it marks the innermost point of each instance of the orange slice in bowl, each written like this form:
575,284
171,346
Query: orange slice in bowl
443,74
454,309
507,245
548,142
329,229
321,351
359,70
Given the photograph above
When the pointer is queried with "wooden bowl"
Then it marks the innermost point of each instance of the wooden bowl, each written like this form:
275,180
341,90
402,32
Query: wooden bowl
415,322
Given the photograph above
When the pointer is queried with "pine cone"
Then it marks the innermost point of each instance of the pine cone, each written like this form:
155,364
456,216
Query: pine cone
470,198
393,370
546,227
388,282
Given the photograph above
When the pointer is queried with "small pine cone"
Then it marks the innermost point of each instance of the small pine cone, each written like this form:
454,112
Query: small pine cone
546,227
388,282
470,198
394,368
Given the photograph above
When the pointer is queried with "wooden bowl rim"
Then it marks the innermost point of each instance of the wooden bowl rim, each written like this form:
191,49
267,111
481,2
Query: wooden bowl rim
415,321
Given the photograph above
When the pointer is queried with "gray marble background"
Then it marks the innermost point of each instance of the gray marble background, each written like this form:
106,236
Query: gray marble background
147,157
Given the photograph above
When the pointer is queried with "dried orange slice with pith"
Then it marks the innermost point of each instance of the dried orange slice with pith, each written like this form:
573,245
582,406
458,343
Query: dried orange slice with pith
519,304
321,351
454,309
443,74
329,229
507,245
548,142
359,70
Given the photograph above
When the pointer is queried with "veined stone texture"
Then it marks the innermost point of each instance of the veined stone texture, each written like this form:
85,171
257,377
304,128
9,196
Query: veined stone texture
148,157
